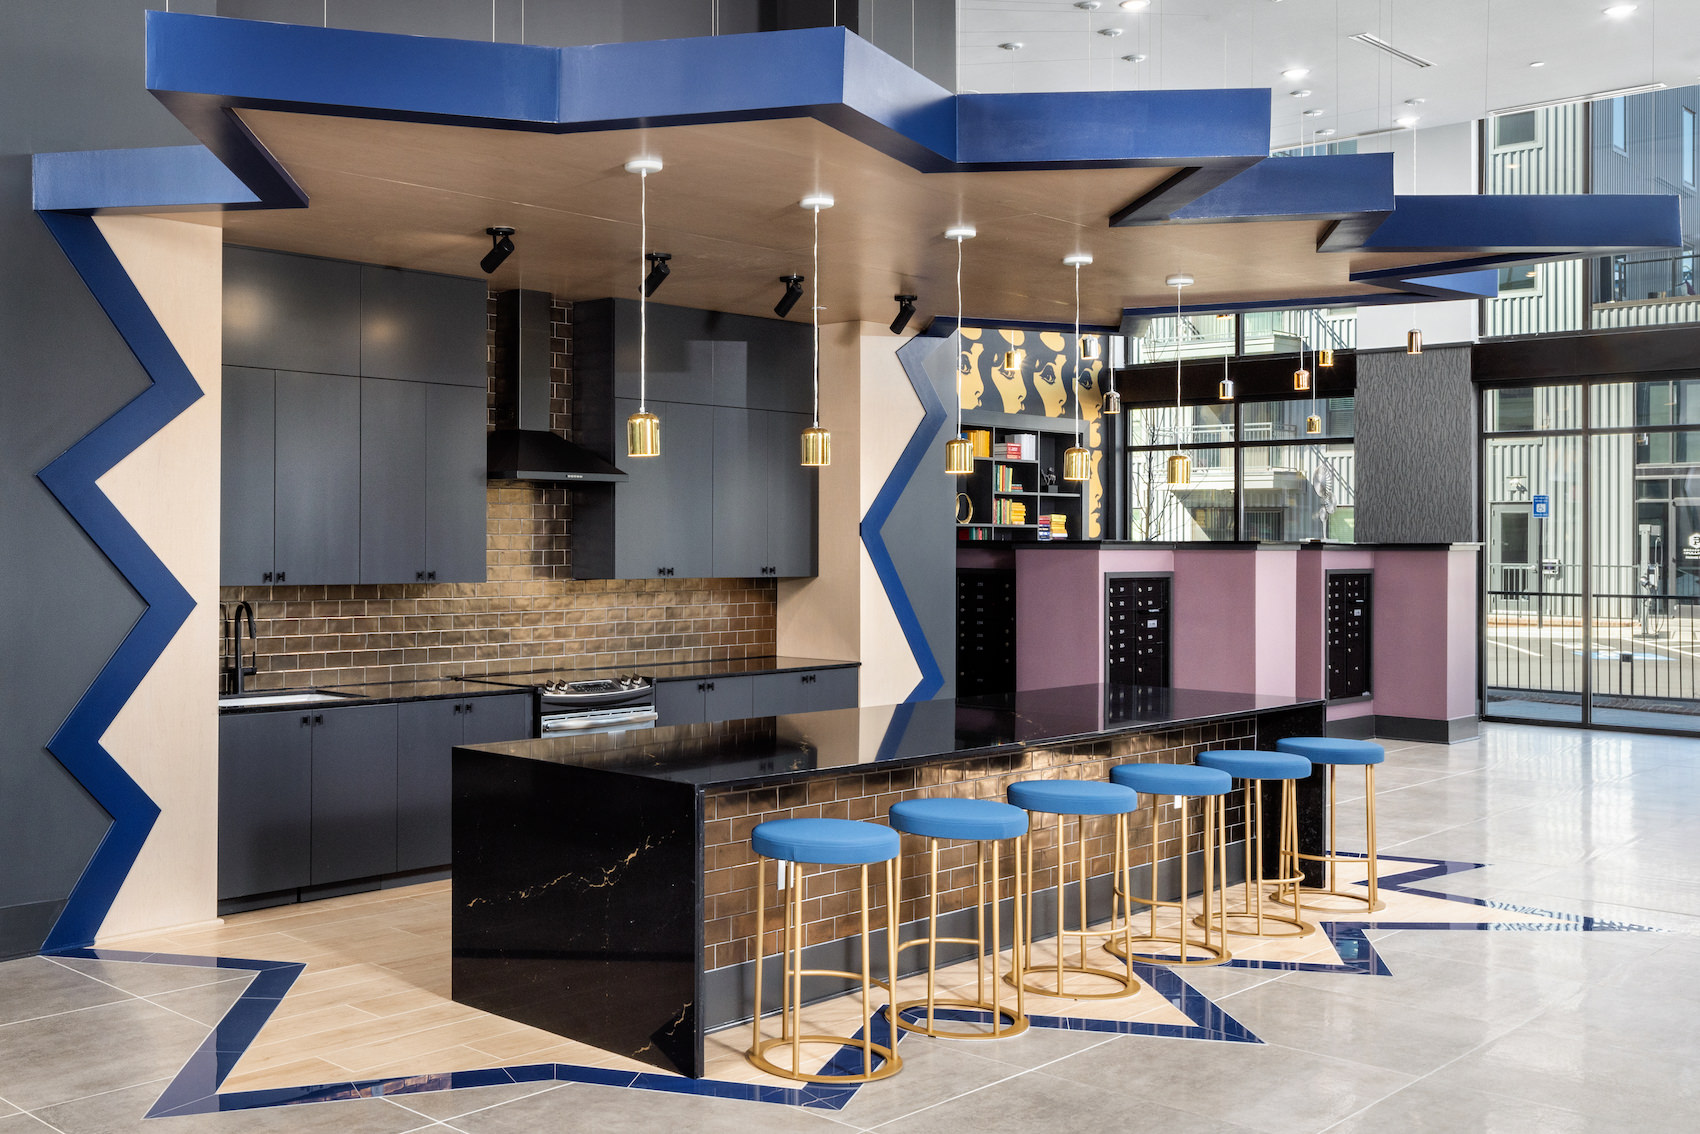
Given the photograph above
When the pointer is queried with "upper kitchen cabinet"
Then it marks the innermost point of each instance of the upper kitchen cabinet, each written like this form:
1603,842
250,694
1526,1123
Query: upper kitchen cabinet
422,500
290,478
284,312
421,327
728,497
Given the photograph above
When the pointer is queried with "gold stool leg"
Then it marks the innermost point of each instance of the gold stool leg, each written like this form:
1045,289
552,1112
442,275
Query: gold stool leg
1369,831
794,911
761,948
867,992
932,927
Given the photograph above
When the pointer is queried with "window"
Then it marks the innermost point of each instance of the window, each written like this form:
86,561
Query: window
1519,279
1619,126
1687,147
1514,130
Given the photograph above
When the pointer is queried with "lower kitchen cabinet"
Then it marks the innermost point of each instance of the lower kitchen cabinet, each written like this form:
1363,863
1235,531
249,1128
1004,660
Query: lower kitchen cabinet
354,793
265,802
695,701
804,691
428,732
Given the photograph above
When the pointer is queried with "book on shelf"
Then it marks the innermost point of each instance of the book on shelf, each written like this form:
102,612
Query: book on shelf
1025,445
981,440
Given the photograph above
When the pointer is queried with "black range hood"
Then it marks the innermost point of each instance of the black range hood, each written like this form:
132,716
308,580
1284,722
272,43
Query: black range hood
524,447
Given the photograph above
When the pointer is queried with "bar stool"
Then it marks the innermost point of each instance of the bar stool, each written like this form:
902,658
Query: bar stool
1251,768
986,823
822,842
1335,752
1080,799
1183,782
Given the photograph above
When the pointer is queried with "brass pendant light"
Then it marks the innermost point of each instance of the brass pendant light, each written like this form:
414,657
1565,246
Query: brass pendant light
1180,465
1012,360
1077,460
959,451
1093,349
817,442
1414,342
1225,388
1325,358
643,429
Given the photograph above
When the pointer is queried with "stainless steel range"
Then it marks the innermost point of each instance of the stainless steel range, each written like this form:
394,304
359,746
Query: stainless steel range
603,704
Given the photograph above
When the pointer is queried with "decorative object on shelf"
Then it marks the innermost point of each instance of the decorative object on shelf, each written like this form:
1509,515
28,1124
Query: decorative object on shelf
817,442
959,451
1225,388
964,508
1077,461
1179,464
643,429
1048,480
501,247
905,312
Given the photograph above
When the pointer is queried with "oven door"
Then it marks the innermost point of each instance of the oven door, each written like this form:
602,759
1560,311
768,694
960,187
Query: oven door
592,722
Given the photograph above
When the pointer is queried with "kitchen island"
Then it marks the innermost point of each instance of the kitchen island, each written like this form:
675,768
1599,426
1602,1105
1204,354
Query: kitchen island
604,887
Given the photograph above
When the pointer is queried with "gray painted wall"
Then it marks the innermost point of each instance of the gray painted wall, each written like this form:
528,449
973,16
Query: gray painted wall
70,79
1416,418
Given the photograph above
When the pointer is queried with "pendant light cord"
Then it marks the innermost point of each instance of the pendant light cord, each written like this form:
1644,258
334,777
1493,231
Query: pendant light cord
643,291
814,309
1178,369
959,337
1077,356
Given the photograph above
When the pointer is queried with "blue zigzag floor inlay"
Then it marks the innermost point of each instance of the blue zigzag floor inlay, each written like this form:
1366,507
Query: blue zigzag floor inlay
195,1090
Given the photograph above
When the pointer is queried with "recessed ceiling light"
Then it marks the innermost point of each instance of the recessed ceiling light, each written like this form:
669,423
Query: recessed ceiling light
1295,72
1012,45
1538,63
1088,5
1325,133
1415,101
1620,11
1136,5
1313,113
1111,32
1300,93
1133,59
1407,121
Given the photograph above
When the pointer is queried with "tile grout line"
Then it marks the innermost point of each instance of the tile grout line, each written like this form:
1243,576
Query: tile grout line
995,1082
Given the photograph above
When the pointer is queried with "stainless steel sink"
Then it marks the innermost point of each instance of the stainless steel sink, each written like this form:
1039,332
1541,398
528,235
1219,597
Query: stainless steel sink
309,697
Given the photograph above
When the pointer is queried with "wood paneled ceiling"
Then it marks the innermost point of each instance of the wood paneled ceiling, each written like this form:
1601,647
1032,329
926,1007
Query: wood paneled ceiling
726,206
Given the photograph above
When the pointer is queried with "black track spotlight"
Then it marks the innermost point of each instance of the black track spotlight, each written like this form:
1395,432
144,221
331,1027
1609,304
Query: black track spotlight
793,292
501,247
905,312
658,271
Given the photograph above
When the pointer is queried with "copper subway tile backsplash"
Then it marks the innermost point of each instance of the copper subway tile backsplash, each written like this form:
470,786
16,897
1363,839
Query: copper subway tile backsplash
529,614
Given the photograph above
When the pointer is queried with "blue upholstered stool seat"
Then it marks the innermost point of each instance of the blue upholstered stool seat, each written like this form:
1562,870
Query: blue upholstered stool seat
964,819
1244,764
1172,779
1333,750
828,842
1073,797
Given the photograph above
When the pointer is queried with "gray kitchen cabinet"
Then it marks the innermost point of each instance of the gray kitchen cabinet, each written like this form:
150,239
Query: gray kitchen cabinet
660,521
803,691
354,793
422,499
290,478
286,312
741,470
422,327
316,495
247,473
264,802
427,733
703,700
792,496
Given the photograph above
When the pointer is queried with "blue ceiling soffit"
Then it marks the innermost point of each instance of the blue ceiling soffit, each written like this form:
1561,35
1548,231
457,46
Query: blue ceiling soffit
203,68
163,179
1352,187
1523,225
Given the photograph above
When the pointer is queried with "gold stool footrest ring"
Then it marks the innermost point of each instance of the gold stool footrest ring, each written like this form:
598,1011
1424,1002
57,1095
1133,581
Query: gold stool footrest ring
1213,954
1125,985
893,1062
999,1030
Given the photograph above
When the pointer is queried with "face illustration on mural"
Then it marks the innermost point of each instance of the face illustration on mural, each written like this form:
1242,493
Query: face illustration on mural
1013,390
968,367
1051,378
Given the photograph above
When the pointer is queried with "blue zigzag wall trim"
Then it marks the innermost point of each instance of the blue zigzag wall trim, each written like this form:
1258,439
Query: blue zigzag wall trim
913,355
71,478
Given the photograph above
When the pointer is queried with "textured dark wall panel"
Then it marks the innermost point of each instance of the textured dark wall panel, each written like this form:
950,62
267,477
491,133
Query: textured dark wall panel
1416,447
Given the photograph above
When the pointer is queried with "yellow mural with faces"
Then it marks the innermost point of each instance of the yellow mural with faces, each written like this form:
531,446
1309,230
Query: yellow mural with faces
1041,387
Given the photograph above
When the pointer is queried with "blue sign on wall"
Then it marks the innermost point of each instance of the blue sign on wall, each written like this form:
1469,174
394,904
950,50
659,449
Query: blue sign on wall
1542,507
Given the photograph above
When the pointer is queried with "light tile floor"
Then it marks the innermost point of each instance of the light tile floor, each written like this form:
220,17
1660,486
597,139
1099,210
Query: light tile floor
1541,1023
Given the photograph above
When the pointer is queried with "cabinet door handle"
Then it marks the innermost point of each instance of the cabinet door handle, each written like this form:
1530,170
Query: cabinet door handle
457,708
430,576
419,576
318,718
711,686
280,576
469,706
266,578
306,720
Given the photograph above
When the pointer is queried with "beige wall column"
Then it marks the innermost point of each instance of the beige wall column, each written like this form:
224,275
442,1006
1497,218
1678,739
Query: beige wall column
166,736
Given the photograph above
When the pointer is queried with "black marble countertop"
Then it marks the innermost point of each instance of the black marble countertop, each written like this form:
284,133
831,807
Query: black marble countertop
496,684
803,745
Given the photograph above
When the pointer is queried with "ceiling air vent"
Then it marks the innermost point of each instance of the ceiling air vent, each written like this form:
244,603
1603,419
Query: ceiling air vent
1380,44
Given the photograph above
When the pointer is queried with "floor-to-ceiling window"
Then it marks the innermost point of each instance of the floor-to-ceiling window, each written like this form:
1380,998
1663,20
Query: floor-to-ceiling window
1591,509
